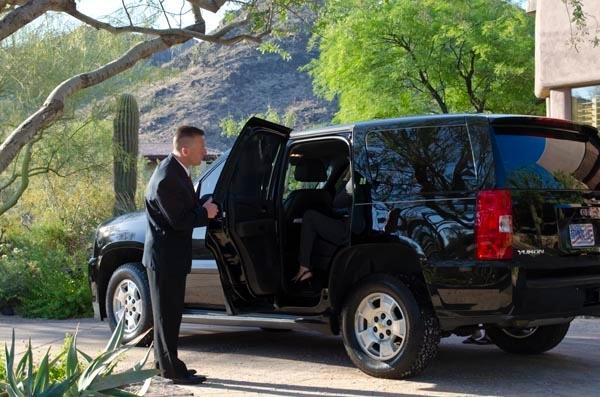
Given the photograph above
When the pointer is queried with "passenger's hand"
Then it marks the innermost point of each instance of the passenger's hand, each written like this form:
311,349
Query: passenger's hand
211,208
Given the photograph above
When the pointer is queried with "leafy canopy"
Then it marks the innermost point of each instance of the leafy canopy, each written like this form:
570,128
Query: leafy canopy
390,58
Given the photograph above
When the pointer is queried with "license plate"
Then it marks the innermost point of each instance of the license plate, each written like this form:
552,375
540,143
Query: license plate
582,235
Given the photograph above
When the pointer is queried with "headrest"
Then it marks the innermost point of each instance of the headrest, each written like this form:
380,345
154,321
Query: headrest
310,170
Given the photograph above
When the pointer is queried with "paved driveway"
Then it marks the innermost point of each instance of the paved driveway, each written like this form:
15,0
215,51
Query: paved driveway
252,362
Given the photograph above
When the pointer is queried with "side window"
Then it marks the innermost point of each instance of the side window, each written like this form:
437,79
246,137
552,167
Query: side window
291,184
419,160
208,183
255,166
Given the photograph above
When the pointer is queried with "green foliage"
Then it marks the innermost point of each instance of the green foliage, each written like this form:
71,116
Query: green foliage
390,58
47,240
69,375
14,278
46,261
125,151
231,127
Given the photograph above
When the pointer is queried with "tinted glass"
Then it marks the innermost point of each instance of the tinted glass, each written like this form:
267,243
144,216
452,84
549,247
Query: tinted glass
256,165
419,160
482,154
546,159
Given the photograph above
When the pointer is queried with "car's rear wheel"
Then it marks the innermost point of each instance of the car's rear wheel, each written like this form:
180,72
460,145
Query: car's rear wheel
128,294
386,332
533,340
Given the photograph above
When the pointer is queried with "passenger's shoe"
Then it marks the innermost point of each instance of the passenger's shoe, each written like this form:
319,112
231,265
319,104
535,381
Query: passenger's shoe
190,380
303,277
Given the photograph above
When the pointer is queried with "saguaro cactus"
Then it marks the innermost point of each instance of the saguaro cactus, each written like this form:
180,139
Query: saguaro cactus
125,151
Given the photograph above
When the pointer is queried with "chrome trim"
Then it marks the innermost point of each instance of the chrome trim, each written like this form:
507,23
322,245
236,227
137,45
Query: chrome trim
280,321
204,264
199,233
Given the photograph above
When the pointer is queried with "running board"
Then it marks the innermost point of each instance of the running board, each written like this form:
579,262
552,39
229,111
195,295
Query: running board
276,321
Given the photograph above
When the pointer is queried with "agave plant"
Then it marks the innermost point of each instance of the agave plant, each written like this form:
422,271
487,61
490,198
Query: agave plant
91,377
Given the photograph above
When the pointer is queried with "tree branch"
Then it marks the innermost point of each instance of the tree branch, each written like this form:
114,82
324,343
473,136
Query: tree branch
12,200
404,43
127,13
209,5
21,16
188,32
164,13
53,107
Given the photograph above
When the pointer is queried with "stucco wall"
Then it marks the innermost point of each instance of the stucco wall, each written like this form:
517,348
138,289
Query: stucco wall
557,63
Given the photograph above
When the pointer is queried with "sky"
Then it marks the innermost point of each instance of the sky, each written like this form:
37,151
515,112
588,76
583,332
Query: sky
101,9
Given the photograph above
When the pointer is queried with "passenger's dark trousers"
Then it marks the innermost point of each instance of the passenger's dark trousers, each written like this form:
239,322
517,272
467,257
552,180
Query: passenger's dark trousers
335,231
167,292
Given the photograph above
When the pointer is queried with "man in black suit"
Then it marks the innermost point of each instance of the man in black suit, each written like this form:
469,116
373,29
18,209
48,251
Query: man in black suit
173,210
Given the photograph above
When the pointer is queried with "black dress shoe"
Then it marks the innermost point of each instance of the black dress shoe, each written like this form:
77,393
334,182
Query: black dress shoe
189,380
191,372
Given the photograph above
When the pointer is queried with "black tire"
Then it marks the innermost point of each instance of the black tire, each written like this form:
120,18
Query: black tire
535,341
422,335
136,273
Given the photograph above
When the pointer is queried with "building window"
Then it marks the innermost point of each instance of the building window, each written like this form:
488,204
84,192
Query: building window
586,105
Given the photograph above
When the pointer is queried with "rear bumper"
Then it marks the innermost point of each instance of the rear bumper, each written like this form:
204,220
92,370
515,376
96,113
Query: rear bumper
92,278
531,301
508,321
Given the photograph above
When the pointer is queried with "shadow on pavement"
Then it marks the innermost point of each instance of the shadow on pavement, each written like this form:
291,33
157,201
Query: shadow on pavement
301,346
458,368
291,390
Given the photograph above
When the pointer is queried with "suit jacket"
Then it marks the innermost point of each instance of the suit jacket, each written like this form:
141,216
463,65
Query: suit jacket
173,211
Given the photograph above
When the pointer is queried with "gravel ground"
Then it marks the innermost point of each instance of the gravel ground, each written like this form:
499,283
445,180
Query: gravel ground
248,362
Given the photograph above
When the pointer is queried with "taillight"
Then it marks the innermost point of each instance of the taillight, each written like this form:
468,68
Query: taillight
493,225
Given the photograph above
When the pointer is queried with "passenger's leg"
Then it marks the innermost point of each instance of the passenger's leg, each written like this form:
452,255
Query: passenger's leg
316,224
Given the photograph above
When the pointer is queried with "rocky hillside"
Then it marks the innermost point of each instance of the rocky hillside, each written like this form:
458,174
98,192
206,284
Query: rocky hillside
217,82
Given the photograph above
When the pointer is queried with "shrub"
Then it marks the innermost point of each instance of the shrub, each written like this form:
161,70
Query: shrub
68,375
14,277
56,281
47,242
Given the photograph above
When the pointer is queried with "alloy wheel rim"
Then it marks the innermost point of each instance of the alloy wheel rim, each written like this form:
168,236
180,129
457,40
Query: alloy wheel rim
380,326
127,301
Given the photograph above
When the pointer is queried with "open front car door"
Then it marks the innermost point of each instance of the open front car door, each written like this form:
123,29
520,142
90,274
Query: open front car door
243,237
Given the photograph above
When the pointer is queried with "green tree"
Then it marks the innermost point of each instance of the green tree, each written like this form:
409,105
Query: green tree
231,127
34,61
137,22
389,58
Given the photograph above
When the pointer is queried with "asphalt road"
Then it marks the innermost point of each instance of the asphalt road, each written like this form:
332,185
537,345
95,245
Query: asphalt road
253,362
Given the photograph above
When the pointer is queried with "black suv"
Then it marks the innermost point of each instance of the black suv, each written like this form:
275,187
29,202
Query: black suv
459,222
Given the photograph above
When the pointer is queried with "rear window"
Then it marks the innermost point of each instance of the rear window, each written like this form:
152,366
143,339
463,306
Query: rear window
533,158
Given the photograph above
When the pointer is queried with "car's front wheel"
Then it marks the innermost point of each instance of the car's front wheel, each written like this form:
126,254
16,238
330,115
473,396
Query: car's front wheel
528,340
128,294
386,332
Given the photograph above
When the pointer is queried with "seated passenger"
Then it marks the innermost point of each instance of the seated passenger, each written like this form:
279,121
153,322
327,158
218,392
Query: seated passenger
334,229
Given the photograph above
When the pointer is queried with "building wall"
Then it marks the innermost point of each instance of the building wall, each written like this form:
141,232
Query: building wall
559,65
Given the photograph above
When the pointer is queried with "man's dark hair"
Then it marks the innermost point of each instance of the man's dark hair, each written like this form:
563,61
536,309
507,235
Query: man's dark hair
183,135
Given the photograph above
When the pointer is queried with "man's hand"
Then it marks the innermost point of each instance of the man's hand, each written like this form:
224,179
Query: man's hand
211,208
